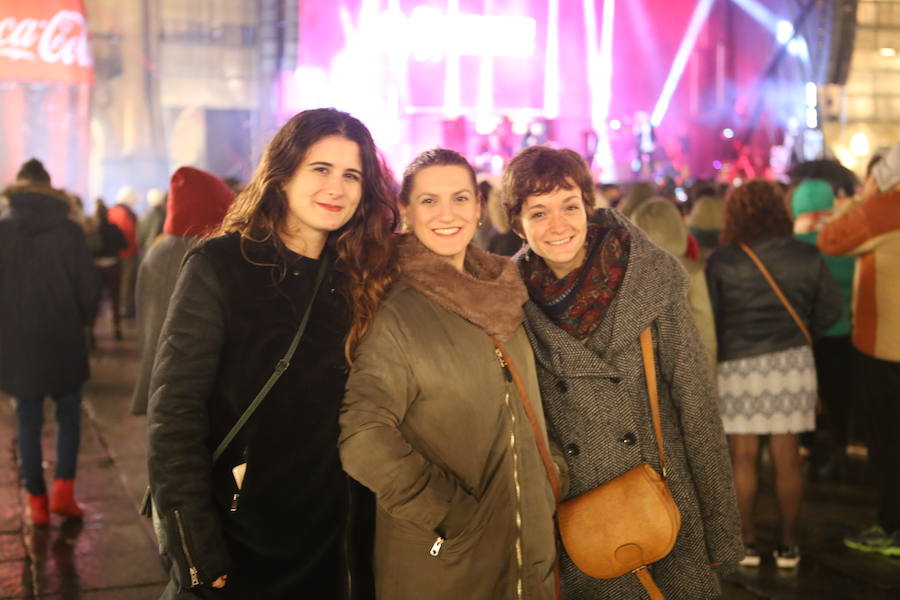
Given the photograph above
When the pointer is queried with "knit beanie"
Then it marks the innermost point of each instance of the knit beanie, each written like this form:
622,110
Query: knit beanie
812,195
33,170
127,196
197,202
887,171
155,197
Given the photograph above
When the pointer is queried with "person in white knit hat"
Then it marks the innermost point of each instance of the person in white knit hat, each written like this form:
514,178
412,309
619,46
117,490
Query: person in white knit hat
150,225
870,231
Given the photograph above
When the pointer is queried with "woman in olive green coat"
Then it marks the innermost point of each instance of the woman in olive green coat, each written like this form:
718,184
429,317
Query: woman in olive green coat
431,422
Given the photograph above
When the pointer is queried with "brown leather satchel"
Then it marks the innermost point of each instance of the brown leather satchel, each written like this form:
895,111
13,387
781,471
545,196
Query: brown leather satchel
625,524
628,522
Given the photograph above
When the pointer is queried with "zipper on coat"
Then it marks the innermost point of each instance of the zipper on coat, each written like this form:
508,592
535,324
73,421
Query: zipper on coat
192,568
234,501
515,454
436,547
347,543
506,372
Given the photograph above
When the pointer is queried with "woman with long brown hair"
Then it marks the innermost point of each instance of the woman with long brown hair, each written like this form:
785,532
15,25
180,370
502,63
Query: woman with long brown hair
766,373
274,516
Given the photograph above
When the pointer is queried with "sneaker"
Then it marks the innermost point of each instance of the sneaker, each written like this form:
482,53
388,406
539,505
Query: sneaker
892,548
751,556
786,557
873,539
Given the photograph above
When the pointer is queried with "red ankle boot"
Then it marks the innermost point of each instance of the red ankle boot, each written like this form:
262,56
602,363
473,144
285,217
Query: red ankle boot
38,513
62,499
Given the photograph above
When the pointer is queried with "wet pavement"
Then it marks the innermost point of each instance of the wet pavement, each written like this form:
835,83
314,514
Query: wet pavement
111,554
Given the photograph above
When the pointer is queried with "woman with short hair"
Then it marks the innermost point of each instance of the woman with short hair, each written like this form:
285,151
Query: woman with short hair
593,288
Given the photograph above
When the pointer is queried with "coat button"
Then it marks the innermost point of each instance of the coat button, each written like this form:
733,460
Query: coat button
615,379
572,449
628,439
562,386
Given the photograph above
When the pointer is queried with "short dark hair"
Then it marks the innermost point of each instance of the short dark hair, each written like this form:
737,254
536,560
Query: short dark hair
436,157
540,170
33,170
754,212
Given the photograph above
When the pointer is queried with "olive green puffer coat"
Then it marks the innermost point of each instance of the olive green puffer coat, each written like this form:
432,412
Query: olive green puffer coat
431,424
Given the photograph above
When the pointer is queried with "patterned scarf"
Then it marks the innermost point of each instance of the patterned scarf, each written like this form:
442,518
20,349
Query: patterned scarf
578,301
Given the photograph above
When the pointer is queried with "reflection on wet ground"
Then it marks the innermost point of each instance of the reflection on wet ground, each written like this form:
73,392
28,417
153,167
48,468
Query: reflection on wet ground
111,555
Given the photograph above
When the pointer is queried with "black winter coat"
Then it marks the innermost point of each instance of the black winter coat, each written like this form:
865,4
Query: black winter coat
48,294
286,535
750,319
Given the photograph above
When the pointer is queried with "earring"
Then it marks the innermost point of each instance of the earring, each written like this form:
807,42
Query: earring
404,226
480,222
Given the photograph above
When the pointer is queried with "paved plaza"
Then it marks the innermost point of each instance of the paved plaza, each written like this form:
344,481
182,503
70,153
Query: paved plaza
111,555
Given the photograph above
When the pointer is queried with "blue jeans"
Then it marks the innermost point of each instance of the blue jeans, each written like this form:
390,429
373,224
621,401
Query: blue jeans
30,414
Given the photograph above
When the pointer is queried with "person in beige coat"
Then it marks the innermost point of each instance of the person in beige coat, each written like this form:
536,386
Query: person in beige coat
662,223
432,423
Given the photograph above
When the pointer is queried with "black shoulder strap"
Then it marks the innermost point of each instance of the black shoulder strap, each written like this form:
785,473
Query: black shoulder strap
280,367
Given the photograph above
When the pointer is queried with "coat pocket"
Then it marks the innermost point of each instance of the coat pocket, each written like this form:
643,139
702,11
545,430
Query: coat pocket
237,472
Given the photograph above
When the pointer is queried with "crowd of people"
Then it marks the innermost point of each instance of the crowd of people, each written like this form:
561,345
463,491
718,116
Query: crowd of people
360,388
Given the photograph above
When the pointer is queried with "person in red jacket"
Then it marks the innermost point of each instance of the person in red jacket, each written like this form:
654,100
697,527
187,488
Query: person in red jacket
122,216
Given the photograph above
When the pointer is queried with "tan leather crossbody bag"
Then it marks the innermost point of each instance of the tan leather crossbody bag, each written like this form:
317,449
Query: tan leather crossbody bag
628,522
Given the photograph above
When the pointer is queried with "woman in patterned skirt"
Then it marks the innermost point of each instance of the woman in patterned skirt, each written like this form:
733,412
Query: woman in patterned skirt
767,378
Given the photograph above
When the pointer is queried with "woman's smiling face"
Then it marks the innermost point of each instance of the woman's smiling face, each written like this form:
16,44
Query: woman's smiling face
325,189
443,211
555,225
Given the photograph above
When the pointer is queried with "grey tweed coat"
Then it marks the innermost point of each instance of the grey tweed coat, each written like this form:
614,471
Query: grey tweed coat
597,411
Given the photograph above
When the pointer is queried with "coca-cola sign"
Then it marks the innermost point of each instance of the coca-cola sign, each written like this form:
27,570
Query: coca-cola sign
49,42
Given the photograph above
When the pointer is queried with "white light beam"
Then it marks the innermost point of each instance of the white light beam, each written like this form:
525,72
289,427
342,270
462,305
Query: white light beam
701,12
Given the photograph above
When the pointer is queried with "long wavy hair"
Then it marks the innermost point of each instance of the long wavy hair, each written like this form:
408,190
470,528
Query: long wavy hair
754,212
364,245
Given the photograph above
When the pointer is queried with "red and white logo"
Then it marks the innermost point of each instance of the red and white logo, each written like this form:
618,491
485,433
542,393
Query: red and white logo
55,48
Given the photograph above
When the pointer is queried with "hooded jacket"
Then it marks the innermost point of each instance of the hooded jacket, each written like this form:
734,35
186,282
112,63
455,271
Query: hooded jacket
197,202
598,412
663,224
433,427
48,294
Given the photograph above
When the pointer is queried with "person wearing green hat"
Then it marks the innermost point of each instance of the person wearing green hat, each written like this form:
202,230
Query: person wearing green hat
812,204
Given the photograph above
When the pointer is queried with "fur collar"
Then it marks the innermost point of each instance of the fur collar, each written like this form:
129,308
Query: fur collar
35,189
36,207
490,294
